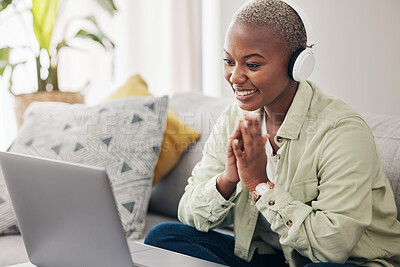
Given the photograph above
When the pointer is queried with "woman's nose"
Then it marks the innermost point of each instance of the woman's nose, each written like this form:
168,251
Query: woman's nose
237,76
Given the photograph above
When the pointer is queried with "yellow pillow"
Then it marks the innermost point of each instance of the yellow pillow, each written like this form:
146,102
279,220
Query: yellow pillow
177,137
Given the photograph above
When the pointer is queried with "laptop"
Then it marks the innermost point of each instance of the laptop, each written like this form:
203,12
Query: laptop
67,216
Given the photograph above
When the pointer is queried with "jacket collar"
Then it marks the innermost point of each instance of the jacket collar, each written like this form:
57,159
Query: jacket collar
297,112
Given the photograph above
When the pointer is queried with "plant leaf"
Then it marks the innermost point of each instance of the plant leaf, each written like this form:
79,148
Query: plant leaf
4,4
100,32
87,35
107,5
2,69
4,59
99,36
44,14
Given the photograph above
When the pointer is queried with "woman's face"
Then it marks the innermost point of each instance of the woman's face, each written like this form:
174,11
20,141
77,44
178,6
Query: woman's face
256,67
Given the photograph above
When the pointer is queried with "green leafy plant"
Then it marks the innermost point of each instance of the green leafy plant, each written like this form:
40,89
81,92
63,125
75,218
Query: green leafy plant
44,17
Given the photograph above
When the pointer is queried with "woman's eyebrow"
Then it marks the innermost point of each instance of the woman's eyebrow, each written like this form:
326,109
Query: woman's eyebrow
248,56
254,55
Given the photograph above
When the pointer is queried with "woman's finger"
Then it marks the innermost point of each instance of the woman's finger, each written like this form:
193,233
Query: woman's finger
237,133
253,122
236,149
230,149
246,136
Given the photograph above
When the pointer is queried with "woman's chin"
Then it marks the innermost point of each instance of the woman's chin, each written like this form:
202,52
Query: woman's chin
249,102
247,106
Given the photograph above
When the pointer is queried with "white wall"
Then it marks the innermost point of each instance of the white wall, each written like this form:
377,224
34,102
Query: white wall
357,51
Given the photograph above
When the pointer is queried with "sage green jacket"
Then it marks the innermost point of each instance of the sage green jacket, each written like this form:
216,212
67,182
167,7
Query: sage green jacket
331,201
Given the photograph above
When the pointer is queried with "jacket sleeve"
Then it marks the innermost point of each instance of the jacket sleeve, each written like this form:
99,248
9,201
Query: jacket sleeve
202,206
330,227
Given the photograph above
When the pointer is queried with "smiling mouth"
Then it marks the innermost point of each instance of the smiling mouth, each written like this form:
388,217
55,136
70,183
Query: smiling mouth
244,93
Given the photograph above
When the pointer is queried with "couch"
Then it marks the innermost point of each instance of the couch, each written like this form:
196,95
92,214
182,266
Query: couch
200,112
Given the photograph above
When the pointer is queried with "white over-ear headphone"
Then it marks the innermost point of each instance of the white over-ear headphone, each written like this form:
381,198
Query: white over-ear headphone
302,62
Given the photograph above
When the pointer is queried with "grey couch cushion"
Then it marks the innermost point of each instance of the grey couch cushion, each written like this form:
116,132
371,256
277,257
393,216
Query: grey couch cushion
199,112
386,130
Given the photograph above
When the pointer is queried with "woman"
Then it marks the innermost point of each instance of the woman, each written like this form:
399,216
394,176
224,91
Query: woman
305,179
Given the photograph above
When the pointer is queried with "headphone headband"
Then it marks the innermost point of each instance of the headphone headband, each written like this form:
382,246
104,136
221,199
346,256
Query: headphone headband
304,18
302,62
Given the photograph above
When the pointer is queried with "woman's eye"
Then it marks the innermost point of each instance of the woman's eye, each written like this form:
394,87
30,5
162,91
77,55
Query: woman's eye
252,65
228,61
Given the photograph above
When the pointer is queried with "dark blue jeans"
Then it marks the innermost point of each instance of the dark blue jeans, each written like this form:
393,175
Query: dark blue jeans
212,246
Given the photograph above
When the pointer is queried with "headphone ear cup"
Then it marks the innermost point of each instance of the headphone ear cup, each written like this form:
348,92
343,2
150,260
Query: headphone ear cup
293,61
301,64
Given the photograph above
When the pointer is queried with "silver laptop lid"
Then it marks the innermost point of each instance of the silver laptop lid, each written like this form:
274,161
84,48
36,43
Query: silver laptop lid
66,212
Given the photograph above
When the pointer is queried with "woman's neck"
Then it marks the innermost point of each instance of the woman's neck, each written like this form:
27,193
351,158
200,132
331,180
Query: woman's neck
276,111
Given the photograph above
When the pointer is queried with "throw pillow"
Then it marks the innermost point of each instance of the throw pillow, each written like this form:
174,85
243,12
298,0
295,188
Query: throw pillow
124,136
177,136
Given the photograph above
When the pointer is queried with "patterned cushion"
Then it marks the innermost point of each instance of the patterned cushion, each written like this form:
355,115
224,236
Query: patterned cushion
124,136
177,136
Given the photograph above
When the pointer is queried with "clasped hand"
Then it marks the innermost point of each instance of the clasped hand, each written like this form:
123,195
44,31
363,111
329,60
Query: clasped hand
246,159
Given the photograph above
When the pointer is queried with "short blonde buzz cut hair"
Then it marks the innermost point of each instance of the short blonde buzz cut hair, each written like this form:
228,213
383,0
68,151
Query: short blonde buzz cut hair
279,17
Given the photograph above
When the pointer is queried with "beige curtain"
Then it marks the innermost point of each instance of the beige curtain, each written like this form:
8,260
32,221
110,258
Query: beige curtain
161,41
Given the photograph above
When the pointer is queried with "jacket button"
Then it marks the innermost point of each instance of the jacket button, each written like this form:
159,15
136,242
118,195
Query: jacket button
271,203
224,206
286,262
279,139
289,223
278,156
209,222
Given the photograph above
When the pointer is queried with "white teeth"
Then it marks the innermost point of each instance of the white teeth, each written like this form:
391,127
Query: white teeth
242,93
